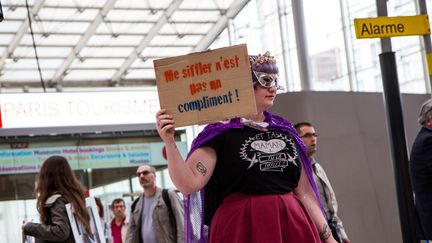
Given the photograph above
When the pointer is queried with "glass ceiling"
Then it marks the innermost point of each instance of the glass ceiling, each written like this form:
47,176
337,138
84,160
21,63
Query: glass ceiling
97,43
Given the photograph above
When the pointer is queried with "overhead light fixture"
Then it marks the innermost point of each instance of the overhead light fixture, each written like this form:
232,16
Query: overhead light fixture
79,57
114,83
59,88
11,58
26,89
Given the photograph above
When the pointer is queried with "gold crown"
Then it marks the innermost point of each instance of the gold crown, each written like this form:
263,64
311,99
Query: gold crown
260,59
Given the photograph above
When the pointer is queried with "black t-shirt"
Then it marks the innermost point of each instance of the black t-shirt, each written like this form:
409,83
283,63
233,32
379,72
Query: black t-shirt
251,161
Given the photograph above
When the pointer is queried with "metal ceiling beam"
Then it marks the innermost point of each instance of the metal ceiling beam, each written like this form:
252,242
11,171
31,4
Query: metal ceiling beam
20,33
161,9
147,39
101,45
215,31
57,78
53,57
55,5
104,34
48,5
64,21
18,84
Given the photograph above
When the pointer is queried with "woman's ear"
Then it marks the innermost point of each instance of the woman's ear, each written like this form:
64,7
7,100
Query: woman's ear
428,123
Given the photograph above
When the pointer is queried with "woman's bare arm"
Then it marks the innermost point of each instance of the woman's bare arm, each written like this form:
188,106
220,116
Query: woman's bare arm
191,175
307,196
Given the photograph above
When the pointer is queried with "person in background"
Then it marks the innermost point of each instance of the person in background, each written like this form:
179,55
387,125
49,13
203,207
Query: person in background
119,223
157,215
257,182
57,186
308,135
420,167
106,229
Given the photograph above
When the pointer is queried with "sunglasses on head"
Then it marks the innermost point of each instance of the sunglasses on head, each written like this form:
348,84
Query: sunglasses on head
144,173
267,80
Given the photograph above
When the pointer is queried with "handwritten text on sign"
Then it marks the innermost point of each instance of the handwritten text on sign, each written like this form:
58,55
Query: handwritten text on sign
208,86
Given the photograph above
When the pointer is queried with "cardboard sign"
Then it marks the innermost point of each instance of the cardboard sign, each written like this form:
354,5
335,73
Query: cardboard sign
208,86
78,230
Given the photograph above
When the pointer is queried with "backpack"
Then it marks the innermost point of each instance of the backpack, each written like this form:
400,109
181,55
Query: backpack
167,201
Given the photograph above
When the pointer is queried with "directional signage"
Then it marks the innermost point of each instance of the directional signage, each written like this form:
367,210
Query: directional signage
383,27
429,62
29,110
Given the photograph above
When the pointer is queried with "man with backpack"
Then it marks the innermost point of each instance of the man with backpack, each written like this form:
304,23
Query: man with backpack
157,215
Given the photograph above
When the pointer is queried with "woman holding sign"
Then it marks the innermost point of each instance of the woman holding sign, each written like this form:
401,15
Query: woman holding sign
57,186
254,171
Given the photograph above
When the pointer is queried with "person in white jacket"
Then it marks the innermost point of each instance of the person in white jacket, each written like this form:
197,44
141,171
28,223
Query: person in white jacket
307,133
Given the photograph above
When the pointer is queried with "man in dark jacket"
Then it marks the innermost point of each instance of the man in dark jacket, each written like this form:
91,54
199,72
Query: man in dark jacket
421,170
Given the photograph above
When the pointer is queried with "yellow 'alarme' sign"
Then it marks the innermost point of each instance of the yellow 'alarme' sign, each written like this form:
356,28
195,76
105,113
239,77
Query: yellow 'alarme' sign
392,26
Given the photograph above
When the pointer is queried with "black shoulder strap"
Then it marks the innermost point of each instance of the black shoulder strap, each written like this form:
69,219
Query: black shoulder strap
134,204
167,201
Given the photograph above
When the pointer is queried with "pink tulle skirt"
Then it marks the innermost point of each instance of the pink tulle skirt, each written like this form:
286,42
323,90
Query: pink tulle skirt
262,218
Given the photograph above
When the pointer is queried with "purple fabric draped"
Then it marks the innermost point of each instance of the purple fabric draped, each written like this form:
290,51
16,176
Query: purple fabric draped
194,229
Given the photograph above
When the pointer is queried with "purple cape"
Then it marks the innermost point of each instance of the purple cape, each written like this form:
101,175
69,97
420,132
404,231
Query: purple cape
194,229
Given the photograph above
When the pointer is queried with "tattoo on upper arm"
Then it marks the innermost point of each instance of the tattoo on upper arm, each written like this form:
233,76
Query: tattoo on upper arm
325,232
201,168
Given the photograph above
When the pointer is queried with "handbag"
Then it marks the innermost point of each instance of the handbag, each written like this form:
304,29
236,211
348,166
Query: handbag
335,230
332,222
